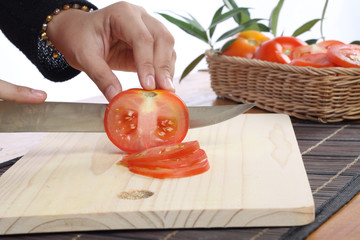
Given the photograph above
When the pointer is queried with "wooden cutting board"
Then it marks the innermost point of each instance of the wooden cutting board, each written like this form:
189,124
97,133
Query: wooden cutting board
71,182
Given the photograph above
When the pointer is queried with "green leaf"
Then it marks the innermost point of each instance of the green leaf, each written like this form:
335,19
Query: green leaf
191,66
355,42
241,17
274,18
238,29
187,27
305,27
212,29
191,21
263,27
311,41
226,16
227,44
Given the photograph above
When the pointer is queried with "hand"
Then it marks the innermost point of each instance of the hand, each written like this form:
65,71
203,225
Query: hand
122,37
16,93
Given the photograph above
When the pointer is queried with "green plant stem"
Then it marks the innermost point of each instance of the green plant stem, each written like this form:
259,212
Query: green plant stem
322,19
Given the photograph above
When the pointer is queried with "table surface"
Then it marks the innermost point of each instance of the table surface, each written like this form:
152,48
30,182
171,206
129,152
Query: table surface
331,154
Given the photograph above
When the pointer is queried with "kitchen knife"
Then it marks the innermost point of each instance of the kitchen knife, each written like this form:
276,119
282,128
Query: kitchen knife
89,117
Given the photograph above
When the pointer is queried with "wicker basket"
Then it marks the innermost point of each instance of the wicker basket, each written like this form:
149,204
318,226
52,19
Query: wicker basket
317,94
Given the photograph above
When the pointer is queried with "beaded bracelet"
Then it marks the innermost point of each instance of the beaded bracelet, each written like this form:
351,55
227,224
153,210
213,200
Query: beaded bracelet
55,52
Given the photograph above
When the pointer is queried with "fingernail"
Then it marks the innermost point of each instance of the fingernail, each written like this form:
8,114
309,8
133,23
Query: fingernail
149,82
110,92
169,85
38,93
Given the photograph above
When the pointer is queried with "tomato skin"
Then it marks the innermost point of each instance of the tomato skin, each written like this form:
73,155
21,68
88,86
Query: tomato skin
138,119
317,60
346,55
245,44
329,43
161,152
278,49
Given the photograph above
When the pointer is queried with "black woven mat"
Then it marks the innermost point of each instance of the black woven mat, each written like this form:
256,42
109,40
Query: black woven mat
326,210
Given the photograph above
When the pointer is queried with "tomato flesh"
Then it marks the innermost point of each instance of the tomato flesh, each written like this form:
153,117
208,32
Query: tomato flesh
346,55
138,119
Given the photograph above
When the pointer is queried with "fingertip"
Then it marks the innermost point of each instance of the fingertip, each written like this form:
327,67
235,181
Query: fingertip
169,85
149,82
38,95
111,91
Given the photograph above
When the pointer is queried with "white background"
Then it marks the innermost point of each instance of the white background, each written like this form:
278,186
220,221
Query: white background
341,23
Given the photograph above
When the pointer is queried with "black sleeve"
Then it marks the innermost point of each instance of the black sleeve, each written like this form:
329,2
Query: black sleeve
21,22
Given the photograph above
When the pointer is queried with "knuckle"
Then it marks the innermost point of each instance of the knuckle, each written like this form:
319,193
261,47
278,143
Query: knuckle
146,38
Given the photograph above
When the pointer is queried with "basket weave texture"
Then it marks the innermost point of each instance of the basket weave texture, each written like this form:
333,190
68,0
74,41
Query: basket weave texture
316,94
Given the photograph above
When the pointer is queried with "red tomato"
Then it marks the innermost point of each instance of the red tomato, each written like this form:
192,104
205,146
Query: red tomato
304,50
346,55
245,44
138,119
278,49
183,160
161,152
317,60
328,43
201,166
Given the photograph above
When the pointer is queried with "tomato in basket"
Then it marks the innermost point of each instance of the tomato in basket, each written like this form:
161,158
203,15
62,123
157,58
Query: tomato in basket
245,44
346,55
317,60
278,49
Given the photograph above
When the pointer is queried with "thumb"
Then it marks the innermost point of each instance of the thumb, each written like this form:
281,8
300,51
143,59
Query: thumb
16,93
102,75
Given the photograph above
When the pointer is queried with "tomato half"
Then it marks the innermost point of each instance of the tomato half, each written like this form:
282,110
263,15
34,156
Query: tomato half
317,60
161,152
278,49
138,119
245,44
201,166
346,55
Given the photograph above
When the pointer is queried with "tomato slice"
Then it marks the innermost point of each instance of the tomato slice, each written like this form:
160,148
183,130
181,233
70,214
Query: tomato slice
157,172
161,152
317,60
181,161
307,49
138,119
346,55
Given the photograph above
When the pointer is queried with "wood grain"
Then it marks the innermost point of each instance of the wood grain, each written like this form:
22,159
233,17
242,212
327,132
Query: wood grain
71,182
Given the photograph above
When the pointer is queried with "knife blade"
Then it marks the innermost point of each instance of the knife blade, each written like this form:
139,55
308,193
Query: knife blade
89,117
